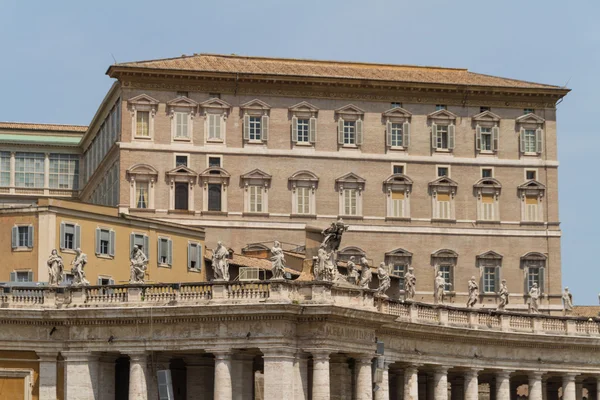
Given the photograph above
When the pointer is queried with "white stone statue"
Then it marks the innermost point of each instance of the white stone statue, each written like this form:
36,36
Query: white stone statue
473,288
56,268
534,297
138,265
277,262
220,262
353,275
324,267
384,279
439,285
503,295
567,300
365,273
77,269
410,284
333,235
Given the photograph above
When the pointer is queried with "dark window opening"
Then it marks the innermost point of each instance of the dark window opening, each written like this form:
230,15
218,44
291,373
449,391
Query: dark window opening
181,196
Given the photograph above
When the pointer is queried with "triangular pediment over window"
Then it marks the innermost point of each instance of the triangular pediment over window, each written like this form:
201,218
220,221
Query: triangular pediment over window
532,184
399,253
490,255
303,107
350,177
397,112
143,99
182,101
142,170
486,116
255,104
216,103
182,170
530,119
350,109
488,183
443,181
442,115
256,174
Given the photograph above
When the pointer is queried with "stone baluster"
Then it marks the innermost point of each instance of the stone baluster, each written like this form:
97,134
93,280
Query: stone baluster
223,384
321,385
81,375
440,383
535,385
568,388
503,385
138,371
411,382
279,373
47,375
301,377
383,387
199,377
472,384
364,381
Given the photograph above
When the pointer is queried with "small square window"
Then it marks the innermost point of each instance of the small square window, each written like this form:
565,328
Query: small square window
487,173
214,162
181,160
104,281
398,169
528,111
214,95
183,94
396,104
530,174
484,109
439,107
442,171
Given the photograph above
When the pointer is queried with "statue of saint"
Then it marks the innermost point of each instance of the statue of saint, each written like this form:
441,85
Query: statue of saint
534,297
410,284
353,275
365,273
55,268
138,265
473,288
220,262
333,235
78,265
438,288
567,300
277,262
503,295
324,269
384,279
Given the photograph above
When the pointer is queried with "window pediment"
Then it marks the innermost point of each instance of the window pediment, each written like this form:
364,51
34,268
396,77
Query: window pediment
532,187
350,111
181,170
142,170
216,105
182,102
255,106
534,256
398,182
304,178
398,114
256,177
143,102
214,175
304,109
442,116
486,117
351,251
399,252
350,181
488,183
445,253
443,181
489,255
530,119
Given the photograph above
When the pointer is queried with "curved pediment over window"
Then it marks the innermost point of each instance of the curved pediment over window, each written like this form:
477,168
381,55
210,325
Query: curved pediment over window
304,178
214,175
399,252
442,116
488,182
398,182
142,170
351,251
444,253
534,256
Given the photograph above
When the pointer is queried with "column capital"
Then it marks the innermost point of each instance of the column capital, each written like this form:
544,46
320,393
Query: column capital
78,356
441,369
47,356
138,356
473,372
503,373
279,352
222,354
570,376
536,374
364,358
320,355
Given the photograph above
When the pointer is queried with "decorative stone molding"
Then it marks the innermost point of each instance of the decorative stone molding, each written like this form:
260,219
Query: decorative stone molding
216,112
399,257
398,188
256,108
216,106
442,117
354,115
182,103
487,191
304,111
141,173
355,184
145,103
527,123
392,117
489,259
531,194
351,251
187,107
260,180
305,180
486,119
181,174
443,189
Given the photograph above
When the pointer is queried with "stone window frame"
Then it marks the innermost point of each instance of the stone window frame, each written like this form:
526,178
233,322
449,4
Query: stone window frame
443,185
169,255
182,105
141,173
214,175
350,181
350,112
395,257
533,259
62,236
260,179
181,174
531,122
15,237
255,108
397,115
488,186
445,257
142,102
26,374
199,258
487,260
304,110
443,117
304,179
532,188
487,119
398,183
215,106
112,242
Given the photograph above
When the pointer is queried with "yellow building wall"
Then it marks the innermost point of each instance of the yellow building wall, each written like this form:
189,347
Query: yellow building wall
13,388
18,260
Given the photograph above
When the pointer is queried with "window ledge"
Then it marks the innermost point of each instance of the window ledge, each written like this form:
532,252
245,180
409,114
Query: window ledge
397,148
195,270
487,152
255,214
183,212
307,216
256,142
142,138
486,221
146,210
214,140
182,139
389,218
447,220
355,217
349,146
304,144
438,150
22,249
105,256
532,223
223,213
531,154
161,265
68,251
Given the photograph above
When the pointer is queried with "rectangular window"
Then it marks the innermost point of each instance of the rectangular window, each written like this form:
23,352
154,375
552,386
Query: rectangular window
104,242
530,174
140,240
443,204
399,270
214,162
181,160
69,236
194,256
397,169
442,136
214,197
23,238
398,204
533,275
142,125
164,251
350,198
489,279
181,125
214,95
303,200
141,195
24,276
486,139
303,127
442,171
528,111
486,173
255,128
440,107
4,168
487,207
64,171
29,170
255,198
182,94
214,126
484,109
529,141
446,271
531,208
349,132
397,135
396,104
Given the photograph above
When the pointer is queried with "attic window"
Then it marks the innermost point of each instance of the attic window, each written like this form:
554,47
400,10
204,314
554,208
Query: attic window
183,94
443,171
439,107
484,109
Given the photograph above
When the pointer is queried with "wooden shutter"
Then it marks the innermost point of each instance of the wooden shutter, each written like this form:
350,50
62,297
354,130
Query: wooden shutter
13,276
29,276
497,278
478,138
98,234
434,140
99,282
111,281
388,130
294,129
340,130
112,243
312,130
246,127
30,236
169,252
522,134
189,258
538,140
264,128
542,273
62,235
147,246
199,255
495,138
359,132
77,236
15,237
132,243
406,134
451,136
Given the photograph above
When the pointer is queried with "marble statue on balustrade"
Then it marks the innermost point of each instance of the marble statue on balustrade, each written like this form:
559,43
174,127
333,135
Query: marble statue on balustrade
503,295
56,268
365,273
439,285
353,275
473,288
384,279
333,235
325,263
77,268
138,265
324,268
534,298
410,284
567,301
277,262
220,262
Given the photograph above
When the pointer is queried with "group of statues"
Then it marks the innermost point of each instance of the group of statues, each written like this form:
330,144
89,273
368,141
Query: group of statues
220,262
56,268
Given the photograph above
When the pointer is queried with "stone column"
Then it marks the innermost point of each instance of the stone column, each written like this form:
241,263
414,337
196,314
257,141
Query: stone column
242,377
382,391
535,385
545,388
503,385
199,377
47,375
411,383
223,388
81,375
106,377
471,385
138,370
440,383
279,373
301,376
568,387
321,385
341,386
364,379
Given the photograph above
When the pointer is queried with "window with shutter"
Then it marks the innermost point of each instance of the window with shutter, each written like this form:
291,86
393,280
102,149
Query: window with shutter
434,136
487,207
495,138
489,279
254,127
359,132
163,251
531,208
396,136
246,127
350,202
256,197
15,237
349,135
341,131
443,205
140,240
22,236
265,128
303,200
214,126
181,125
193,256
302,130
313,130
406,134
538,140
214,197
143,123
398,199
451,129
447,273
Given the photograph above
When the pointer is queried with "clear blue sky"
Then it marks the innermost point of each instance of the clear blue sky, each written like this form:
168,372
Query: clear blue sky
54,55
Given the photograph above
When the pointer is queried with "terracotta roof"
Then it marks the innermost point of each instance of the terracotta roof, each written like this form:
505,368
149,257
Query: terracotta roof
245,261
586,311
25,126
234,64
